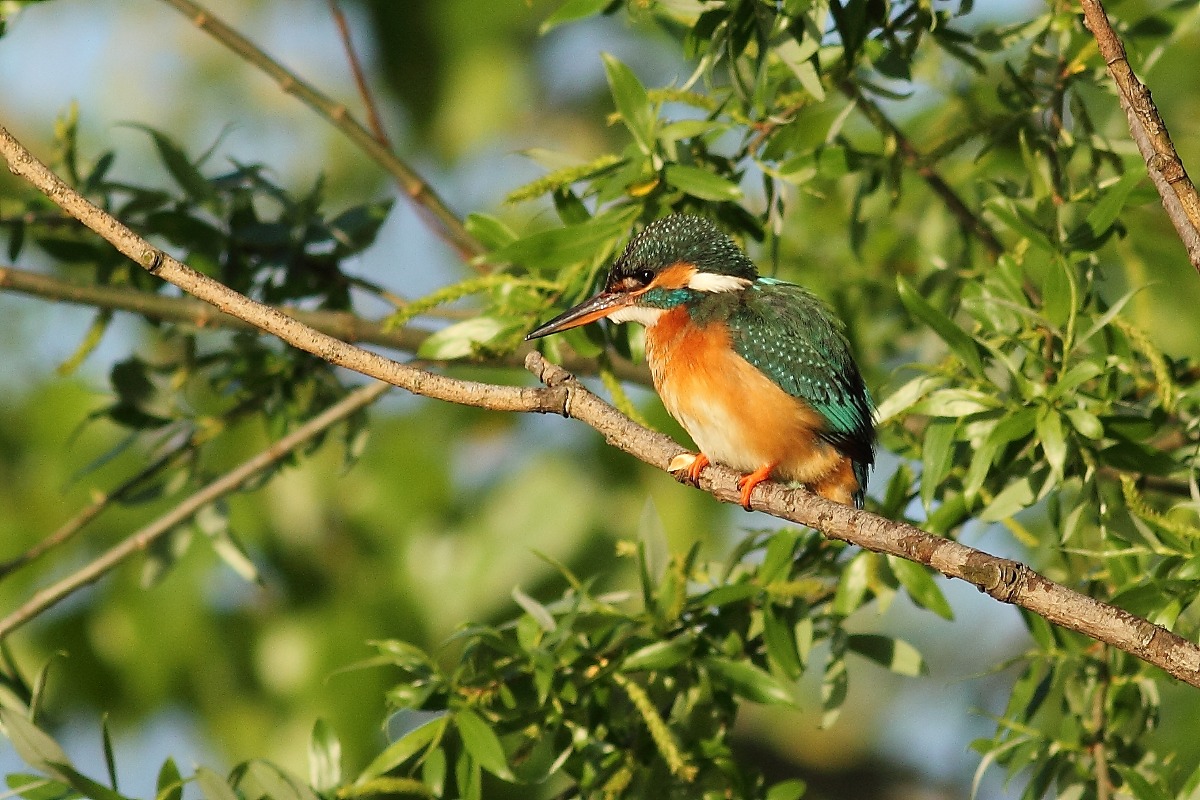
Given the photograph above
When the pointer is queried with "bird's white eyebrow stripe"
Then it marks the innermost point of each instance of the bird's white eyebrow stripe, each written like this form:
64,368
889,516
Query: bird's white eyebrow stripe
713,282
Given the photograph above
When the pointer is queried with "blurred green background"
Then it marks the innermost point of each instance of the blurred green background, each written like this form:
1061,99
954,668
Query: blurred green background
442,515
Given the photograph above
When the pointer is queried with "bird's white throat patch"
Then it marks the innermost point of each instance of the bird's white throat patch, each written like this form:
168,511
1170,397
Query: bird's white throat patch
646,316
713,282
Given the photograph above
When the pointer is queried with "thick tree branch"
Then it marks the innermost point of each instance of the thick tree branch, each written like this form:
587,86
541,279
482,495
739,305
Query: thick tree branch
420,192
1005,580
1148,130
185,510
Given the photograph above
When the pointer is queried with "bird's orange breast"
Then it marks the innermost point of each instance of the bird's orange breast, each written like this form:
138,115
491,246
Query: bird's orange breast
735,413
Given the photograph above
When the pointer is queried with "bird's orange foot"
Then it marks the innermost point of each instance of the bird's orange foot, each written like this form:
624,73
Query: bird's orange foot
747,483
690,465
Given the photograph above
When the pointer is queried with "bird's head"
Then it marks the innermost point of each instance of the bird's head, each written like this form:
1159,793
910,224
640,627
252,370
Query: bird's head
673,261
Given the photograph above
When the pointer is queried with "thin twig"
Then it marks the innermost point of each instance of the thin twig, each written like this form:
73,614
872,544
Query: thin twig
421,193
340,324
85,515
181,513
1100,757
1148,130
360,80
1003,579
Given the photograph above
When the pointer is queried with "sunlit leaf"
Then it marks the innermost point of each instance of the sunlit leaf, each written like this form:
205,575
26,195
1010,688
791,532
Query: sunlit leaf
633,104
324,757
570,11
894,654
482,743
702,183
921,586
960,343
403,749
749,681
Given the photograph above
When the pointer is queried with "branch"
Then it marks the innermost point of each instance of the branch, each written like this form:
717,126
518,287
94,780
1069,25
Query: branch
181,513
360,80
340,324
1150,133
421,193
1003,579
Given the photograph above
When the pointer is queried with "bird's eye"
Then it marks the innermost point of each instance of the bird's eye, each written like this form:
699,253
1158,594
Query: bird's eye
644,276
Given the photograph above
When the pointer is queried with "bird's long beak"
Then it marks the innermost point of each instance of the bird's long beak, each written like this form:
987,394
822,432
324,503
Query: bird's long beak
591,310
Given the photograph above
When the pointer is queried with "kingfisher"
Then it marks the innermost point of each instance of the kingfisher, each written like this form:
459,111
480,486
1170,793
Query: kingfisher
758,371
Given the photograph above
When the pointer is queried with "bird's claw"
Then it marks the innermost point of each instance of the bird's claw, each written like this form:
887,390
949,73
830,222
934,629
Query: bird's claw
690,465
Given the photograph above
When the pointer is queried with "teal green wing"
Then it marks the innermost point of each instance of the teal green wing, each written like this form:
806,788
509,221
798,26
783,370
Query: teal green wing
794,339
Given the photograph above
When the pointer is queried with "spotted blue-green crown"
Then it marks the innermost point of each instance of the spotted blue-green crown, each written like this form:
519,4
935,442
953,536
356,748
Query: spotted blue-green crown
682,238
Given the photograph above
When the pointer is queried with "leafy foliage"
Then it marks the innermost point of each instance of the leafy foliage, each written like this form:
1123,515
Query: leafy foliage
982,272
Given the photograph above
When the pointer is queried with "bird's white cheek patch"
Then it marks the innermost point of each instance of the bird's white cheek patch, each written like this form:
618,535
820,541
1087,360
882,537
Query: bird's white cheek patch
714,283
641,314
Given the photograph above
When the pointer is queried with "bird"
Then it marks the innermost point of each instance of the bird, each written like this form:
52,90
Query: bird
758,371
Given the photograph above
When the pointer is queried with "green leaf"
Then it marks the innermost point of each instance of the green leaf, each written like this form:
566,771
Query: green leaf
1074,377
570,11
110,760
749,681
355,228
834,681
482,743
213,522
179,166
277,783
35,747
1112,201
907,395
633,104
403,749
787,790
533,608
1087,423
490,231
920,585
555,249
468,776
213,786
702,184
780,638
1015,497
91,340
37,787
1017,219
462,339
85,785
799,57
660,655
852,588
894,654
1053,438
169,785
961,344
324,757
777,563
935,456
724,595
